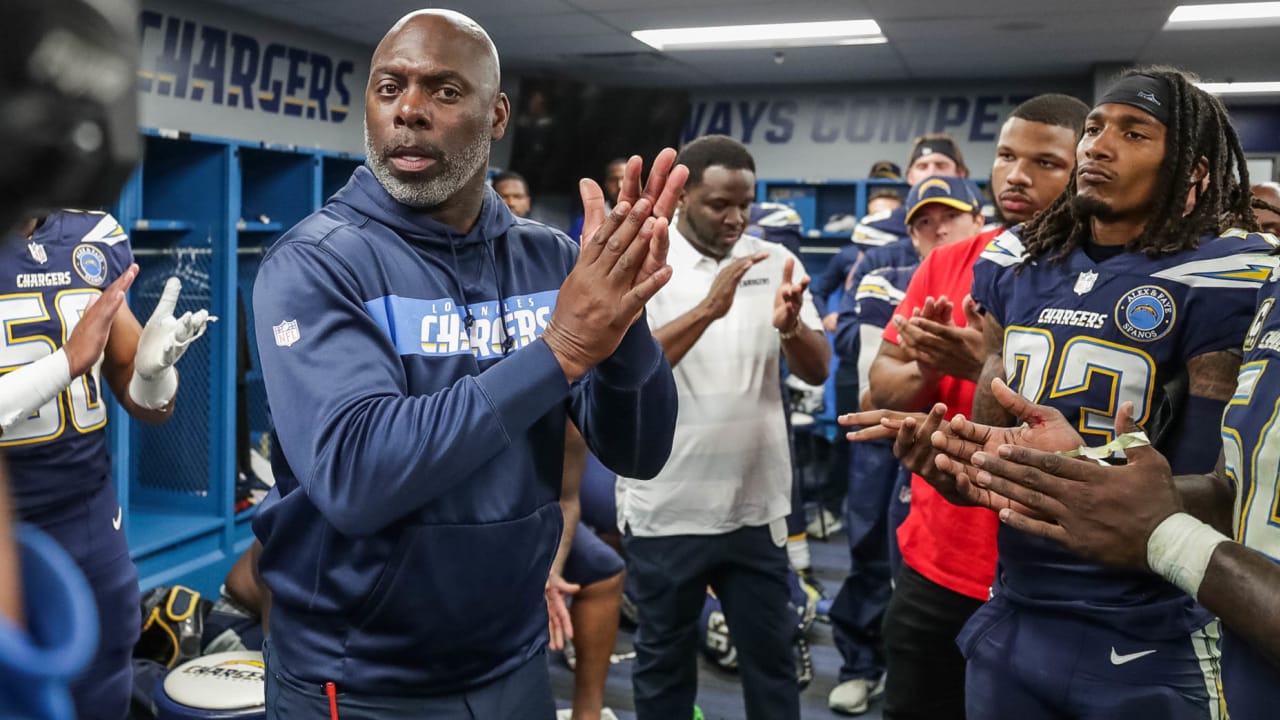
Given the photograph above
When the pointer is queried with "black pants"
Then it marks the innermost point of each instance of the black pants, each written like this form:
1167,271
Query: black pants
523,693
848,400
925,668
748,573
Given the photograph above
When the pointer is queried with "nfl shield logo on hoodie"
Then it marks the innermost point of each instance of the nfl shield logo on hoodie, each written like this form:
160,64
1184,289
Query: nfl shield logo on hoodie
286,333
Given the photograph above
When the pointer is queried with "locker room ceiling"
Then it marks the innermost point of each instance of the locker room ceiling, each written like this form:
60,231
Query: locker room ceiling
928,39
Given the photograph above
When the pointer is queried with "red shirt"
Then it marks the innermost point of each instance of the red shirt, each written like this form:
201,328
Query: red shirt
953,546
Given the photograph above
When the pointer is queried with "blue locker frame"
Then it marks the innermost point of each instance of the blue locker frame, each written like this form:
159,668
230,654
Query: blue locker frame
200,197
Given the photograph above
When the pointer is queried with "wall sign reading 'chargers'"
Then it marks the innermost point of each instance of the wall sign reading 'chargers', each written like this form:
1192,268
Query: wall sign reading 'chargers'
208,64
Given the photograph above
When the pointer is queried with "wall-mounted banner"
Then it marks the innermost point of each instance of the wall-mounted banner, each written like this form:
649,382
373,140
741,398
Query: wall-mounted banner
826,134
211,70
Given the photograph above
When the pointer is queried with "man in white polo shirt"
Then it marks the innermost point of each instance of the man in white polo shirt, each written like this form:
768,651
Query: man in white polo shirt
716,513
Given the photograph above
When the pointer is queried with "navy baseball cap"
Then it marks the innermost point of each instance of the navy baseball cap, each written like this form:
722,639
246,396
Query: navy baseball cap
885,170
957,192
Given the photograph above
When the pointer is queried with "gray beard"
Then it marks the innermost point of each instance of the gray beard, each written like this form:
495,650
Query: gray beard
456,171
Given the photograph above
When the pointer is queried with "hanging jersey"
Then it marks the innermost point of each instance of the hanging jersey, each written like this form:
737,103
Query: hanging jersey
60,451
882,228
1085,336
1251,449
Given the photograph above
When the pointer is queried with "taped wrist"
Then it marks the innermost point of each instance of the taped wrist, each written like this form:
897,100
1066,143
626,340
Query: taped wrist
1179,550
154,392
28,388
1103,453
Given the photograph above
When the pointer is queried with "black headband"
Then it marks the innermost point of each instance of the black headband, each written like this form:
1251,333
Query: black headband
928,147
1145,92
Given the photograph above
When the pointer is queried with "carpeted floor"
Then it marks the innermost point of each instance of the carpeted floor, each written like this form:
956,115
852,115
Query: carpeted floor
719,692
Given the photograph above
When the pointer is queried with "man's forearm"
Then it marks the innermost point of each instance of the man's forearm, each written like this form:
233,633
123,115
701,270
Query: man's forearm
575,464
679,336
1209,498
1241,587
986,410
808,355
899,385
572,511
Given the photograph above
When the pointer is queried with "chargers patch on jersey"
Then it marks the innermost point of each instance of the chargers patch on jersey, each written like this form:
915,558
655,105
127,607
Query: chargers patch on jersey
1146,313
438,327
90,264
1004,250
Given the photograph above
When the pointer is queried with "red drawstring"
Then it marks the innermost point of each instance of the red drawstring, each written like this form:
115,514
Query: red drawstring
332,690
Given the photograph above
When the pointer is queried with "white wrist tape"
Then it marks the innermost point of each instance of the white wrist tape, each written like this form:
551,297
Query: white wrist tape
28,388
155,392
1101,453
1179,550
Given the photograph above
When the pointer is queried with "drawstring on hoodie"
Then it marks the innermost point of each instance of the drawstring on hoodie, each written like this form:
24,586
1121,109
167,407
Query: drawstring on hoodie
470,319
508,342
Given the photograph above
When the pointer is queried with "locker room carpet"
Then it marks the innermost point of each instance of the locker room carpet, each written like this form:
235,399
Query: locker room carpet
719,691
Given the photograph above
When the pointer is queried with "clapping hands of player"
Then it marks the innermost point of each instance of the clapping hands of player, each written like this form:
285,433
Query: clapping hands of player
942,451
165,338
1102,513
958,441
911,434
789,299
938,345
623,263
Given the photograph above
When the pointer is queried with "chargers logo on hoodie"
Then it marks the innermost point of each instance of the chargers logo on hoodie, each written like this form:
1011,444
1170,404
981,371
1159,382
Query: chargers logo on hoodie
439,327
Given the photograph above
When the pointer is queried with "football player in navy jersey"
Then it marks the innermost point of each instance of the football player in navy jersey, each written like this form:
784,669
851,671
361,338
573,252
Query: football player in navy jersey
1133,517
1137,285
53,415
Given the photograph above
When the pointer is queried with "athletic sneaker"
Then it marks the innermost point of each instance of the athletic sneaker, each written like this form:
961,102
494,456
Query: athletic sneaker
824,525
567,714
852,697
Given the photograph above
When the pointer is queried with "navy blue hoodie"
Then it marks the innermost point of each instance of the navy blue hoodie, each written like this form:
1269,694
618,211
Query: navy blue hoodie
421,460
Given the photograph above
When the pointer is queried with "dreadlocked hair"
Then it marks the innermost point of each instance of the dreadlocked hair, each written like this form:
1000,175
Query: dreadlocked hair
1198,128
1259,204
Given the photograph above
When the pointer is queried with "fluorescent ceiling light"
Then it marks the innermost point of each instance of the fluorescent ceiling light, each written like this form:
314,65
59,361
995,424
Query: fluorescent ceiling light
1239,88
774,35
1224,15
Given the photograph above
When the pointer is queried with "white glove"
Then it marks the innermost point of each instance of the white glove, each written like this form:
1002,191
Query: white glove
164,339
